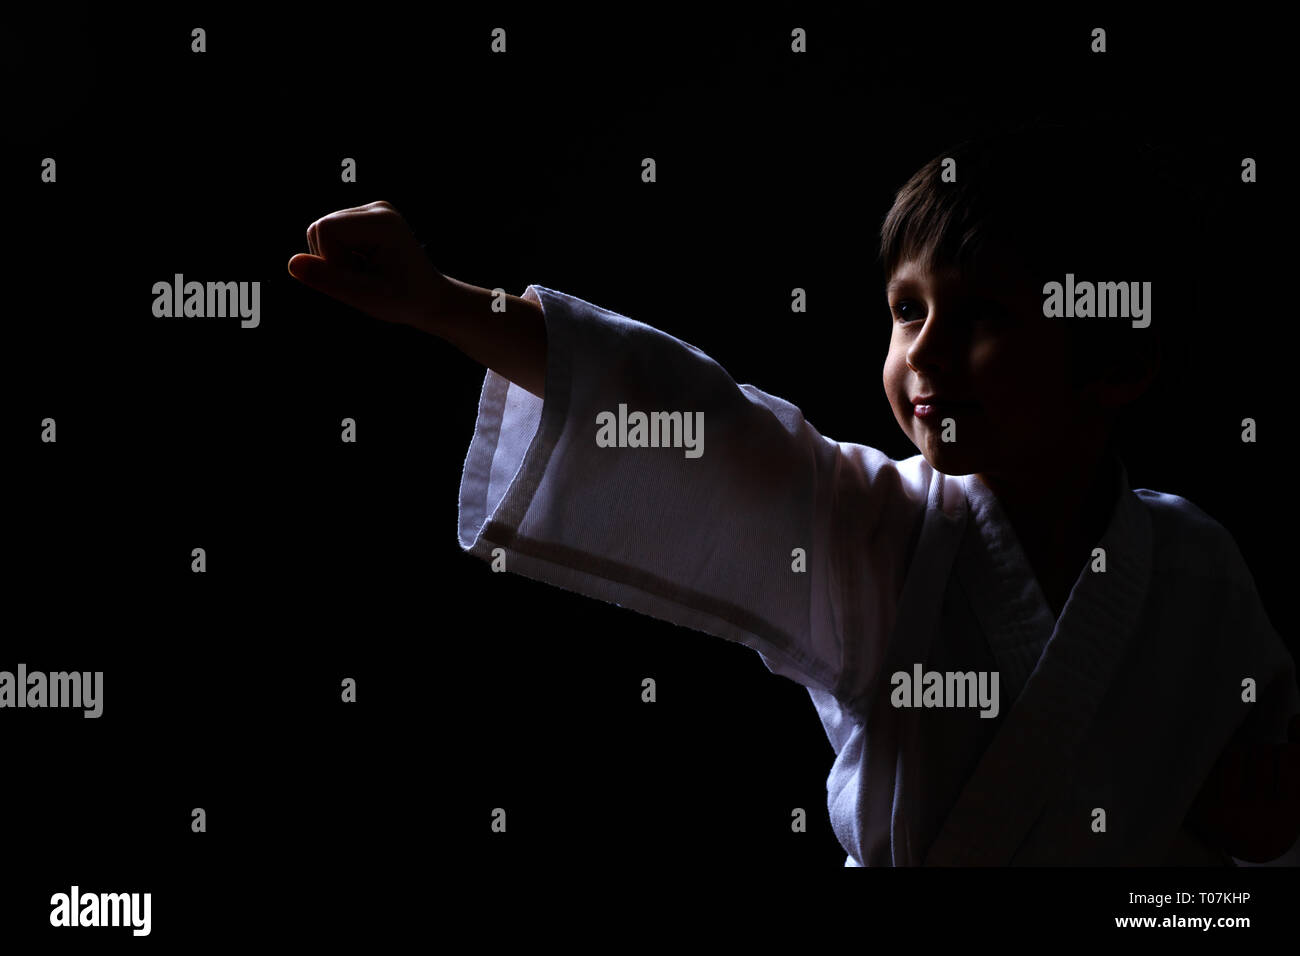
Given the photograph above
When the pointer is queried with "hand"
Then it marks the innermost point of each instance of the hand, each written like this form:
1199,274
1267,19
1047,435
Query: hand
367,257
1250,805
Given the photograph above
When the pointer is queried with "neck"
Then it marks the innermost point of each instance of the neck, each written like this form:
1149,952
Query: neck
1060,511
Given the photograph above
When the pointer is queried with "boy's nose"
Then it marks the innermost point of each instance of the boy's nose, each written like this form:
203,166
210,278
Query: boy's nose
935,346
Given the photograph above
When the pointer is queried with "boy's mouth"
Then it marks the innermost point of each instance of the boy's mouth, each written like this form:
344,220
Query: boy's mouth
931,407
932,399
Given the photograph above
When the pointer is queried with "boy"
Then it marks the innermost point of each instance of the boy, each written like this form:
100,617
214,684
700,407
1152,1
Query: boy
1017,658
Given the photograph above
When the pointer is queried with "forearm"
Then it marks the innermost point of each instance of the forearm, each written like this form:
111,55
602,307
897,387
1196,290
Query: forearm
511,343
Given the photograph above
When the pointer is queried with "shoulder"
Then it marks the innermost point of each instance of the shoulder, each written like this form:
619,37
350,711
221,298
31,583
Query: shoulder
1186,539
898,490
1177,516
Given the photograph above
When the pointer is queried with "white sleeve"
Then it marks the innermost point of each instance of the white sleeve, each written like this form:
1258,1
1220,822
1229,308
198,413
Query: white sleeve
705,542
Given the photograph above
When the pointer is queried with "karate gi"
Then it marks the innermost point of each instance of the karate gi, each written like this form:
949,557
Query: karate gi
1123,704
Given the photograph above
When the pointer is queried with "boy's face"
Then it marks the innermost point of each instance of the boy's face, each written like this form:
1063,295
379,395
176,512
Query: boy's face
986,347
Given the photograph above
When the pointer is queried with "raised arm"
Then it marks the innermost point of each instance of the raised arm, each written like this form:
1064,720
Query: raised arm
767,533
367,257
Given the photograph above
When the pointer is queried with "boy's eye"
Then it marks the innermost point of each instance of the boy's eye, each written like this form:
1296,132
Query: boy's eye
906,310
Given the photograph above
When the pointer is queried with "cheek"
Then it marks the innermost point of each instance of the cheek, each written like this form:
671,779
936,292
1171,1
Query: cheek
1014,367
892,376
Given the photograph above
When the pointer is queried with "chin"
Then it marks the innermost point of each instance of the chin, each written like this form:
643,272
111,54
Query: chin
950,461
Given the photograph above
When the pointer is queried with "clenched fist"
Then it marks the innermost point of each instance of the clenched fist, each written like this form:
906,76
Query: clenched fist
1250,804
367,257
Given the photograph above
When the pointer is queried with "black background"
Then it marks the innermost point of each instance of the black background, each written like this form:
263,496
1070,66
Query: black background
328,560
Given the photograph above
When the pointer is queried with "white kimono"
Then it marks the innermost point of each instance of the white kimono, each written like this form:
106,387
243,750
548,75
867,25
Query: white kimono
1122,705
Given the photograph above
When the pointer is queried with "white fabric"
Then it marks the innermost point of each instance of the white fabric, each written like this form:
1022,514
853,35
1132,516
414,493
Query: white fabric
1124,704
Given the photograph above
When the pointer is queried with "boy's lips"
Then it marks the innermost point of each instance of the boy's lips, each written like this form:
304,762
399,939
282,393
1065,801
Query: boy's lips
929,406
941,400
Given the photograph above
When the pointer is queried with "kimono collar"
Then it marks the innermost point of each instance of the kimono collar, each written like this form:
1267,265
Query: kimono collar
1036,744
1002,589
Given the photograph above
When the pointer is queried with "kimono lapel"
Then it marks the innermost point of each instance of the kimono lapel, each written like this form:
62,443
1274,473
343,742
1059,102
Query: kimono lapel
1031,753
892,731
995,576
